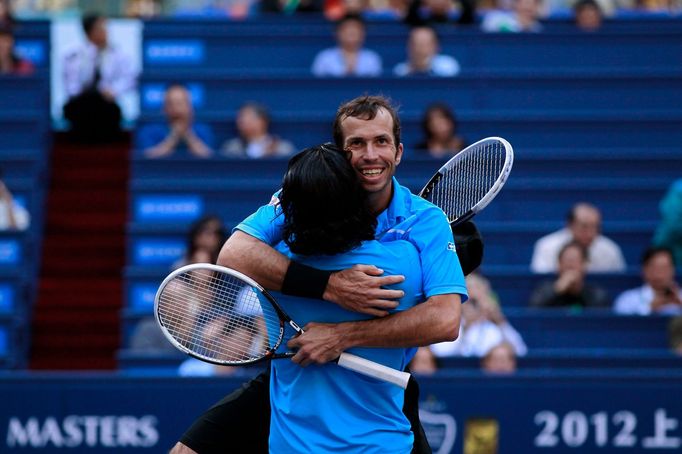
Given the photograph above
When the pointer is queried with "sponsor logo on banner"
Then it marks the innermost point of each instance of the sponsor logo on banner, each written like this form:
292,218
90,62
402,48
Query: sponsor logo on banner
10,252
32,50
168,208
6,298
76,431
153,94
158,252
175,51
142,297
440,429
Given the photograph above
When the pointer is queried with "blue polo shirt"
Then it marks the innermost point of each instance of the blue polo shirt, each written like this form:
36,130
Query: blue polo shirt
328,408
408,217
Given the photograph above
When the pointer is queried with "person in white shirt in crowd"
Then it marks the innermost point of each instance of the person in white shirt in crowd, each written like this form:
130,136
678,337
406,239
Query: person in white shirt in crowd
483,325
12,215
254,139
583,225
423,49
660,294
349,57
523,18
96,74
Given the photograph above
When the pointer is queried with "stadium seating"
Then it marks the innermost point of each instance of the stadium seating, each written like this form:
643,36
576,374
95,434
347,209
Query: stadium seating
24,140
592,117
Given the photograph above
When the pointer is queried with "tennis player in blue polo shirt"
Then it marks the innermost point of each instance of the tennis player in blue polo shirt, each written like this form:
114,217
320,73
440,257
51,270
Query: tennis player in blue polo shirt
368,130
325,221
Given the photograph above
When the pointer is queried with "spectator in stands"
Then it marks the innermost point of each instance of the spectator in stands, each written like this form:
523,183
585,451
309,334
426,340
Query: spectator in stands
12,215
669,230
524,17
255,140
205,237
675,335
6,16
423,57
499,360
349,57
588,15
439,126
423,12
660,294
289,6
143,9
569,289
483,324
583,225
180,134
10,62
424,362
96,74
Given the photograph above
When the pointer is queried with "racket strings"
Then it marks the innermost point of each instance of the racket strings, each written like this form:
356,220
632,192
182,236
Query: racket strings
218,317
467,180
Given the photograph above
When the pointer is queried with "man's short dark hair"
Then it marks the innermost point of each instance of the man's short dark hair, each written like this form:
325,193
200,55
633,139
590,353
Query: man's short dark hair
652,251
351,17
89,22
574,244
366,108
580,4
324,204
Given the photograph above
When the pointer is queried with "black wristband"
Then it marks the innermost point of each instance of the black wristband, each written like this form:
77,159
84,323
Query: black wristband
305,281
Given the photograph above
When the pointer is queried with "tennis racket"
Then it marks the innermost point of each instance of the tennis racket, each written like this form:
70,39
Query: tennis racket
470,180
221,316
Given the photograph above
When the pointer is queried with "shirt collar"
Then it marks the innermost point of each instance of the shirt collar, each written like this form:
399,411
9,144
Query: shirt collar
397,210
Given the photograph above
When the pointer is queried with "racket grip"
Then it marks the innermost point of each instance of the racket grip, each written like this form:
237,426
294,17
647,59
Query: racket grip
375,370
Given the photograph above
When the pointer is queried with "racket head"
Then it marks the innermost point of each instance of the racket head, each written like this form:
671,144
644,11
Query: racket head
218,315
471,179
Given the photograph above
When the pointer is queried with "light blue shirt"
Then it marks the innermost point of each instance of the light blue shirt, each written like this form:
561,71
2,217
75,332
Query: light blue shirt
407,217
330,63
331,409
441,66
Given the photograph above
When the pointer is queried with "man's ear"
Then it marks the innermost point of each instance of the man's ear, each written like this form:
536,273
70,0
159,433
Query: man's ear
399,154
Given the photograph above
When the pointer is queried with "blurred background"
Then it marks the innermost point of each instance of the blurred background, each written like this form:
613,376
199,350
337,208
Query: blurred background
135,134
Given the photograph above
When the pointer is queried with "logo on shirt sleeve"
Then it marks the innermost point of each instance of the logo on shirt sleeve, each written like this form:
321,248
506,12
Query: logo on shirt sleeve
451,247
274,200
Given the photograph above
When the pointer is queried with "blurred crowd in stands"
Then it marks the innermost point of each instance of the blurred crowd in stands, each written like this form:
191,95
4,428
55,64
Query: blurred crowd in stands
571,258
506,15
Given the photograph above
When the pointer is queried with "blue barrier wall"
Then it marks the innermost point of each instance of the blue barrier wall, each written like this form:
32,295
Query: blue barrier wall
533,412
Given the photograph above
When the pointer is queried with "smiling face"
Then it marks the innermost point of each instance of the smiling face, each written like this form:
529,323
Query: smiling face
374,155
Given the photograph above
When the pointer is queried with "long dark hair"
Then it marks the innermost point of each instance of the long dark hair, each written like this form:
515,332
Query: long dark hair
198,227
324,205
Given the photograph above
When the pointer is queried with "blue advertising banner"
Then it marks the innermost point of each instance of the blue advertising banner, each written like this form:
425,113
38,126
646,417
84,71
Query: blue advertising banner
168,208
174,52
153,95
6,298
141,296
157,252
464,413
10,252
33,50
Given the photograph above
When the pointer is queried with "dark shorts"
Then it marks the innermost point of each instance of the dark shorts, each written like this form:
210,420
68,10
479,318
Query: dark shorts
240,422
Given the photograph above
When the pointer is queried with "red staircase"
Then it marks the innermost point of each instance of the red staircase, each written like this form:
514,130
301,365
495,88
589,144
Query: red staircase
76,322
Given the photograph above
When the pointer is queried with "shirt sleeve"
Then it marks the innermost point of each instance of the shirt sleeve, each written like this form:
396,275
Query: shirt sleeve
442,273
266,223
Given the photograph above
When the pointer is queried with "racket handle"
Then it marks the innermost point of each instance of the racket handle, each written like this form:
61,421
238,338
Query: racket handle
372,369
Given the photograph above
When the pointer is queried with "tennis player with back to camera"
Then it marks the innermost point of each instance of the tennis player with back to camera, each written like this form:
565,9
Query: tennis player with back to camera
328,224
368,130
